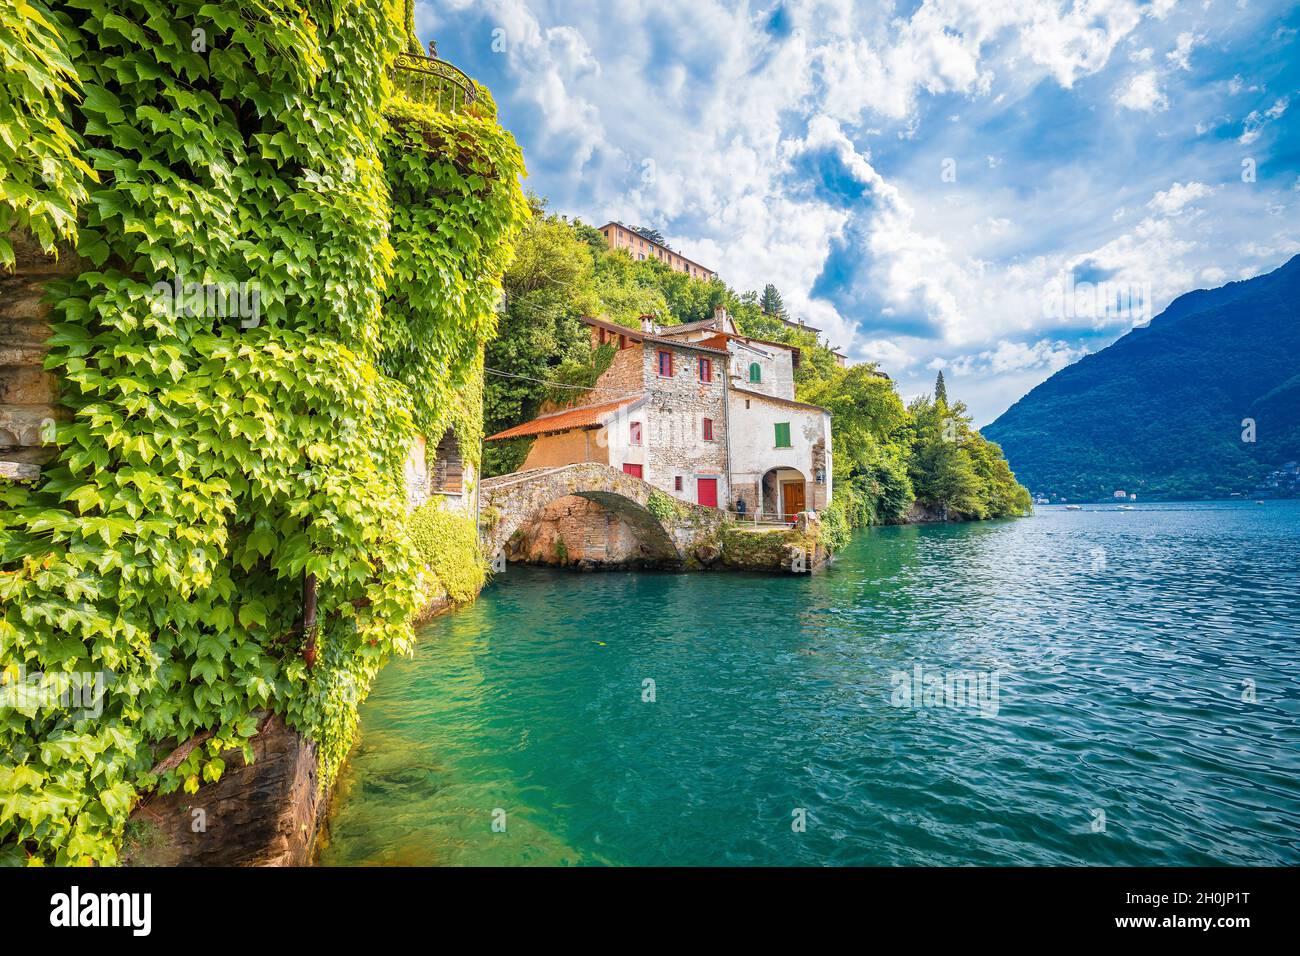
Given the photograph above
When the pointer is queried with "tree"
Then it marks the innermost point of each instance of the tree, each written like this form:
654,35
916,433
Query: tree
870,475
654,235
940,389
771,302
866,412
550,283
941,467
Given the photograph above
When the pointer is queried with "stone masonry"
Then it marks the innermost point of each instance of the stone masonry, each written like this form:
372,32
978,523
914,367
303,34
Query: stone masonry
28,394
682,534
675,410
580,532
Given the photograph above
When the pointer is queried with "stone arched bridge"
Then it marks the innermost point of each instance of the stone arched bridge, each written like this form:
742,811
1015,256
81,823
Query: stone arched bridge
671,530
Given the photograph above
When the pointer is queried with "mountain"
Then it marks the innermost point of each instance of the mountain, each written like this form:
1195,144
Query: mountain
1160,411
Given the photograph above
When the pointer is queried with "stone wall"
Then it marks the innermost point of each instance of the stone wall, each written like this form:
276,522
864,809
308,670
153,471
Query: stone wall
416,474
28,394
675,411
624,375
796,550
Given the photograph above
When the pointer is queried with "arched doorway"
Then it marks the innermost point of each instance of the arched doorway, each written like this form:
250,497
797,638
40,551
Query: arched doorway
448,476
783,494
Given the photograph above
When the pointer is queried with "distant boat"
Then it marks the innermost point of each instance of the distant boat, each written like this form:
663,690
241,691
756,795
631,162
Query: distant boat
1073,507
1126,508
1259,502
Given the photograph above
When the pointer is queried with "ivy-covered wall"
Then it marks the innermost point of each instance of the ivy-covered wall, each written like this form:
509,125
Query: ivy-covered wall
221,464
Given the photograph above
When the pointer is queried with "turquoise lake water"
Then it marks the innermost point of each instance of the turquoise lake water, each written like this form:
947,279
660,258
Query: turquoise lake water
1146,707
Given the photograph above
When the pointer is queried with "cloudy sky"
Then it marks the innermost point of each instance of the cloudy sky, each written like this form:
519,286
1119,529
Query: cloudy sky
991,187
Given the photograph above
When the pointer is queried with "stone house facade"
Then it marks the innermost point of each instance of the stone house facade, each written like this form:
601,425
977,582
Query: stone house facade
779,459
700,411
659,412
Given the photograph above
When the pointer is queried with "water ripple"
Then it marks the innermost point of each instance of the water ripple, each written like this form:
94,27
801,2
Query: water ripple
1148,674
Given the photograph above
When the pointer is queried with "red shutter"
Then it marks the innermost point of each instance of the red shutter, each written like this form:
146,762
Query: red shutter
631,469
677,483
708,429
666,364
706,370
635,433
706,491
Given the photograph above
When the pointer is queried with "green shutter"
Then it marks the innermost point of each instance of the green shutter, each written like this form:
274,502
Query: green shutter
755,373
782,434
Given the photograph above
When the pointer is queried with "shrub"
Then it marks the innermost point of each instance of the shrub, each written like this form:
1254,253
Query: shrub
448,545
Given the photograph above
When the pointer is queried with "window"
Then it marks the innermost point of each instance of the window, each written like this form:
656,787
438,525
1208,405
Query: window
634,433
708,429
622,341
666,364
755,373
782,434
677,483
706,370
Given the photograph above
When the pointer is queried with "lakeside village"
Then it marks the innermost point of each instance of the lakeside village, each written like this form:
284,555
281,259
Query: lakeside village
1281,482
699,411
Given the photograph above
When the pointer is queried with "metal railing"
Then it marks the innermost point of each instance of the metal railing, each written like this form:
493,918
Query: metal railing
433,82
772,519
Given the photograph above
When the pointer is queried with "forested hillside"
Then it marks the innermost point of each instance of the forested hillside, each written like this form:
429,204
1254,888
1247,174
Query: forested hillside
1170,410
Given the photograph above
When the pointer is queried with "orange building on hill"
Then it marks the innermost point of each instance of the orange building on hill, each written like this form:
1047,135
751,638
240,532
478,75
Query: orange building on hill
619,236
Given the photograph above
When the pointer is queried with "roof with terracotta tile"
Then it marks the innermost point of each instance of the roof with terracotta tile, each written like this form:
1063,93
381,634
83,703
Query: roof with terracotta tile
636,335
567,419
719,340
749,393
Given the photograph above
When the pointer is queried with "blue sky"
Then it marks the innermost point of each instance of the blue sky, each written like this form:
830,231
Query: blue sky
936,185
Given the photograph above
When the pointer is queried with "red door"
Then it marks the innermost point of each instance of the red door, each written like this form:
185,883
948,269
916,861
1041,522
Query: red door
706,491
631,469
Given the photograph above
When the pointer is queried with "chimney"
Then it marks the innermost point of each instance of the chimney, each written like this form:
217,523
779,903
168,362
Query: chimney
719,317
648,324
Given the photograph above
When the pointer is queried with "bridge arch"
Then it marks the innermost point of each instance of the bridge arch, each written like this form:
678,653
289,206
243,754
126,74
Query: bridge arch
672,531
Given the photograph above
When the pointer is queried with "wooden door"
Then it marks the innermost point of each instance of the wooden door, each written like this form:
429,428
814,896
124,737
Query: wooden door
633,470
706,491
792,498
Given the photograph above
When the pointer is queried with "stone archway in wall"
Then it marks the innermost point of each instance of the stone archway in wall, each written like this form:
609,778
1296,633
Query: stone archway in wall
592,529
784,492
447,475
